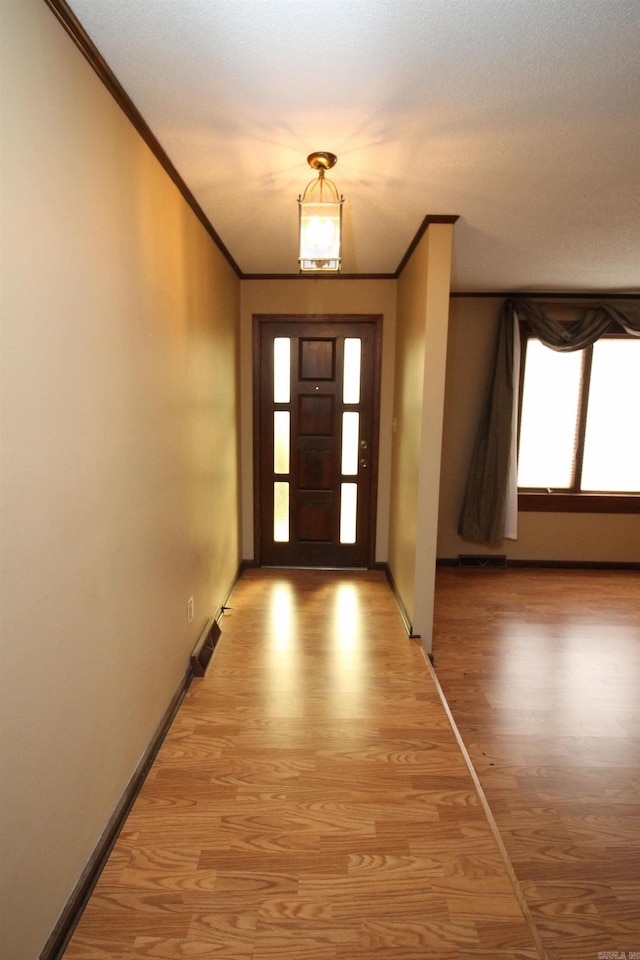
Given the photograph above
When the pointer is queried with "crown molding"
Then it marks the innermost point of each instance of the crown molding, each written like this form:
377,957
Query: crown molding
426,223
83,41
544,295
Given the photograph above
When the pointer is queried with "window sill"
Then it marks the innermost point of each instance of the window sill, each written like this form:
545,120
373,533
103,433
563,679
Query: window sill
579,502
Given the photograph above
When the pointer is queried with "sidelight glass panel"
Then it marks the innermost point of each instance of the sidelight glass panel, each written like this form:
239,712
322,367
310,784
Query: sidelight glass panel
282,369
348,506
350,433
281,441
281,512
352,363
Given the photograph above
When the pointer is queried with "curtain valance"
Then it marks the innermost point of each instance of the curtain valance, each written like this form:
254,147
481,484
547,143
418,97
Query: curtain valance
577,335
490,501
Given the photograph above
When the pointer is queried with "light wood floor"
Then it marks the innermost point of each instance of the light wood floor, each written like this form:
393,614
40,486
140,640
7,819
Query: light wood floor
541,670
312,802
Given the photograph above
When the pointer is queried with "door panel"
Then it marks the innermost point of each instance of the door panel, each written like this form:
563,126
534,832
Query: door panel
316,418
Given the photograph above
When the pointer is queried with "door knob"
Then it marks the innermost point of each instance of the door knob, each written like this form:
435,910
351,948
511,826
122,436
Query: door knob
363,463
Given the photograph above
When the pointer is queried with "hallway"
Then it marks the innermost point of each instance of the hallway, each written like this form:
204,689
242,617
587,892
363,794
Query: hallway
311,800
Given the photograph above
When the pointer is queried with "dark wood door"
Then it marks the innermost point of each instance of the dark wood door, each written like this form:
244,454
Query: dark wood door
317,396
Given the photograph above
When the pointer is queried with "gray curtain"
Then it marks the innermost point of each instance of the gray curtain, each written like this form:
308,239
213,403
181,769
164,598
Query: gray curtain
482,517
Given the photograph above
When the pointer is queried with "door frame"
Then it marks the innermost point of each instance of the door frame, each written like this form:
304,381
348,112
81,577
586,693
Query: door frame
376,322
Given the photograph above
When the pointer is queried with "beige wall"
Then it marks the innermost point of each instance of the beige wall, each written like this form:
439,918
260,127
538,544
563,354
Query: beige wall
587,537
407,421
119,459
318,296
421,346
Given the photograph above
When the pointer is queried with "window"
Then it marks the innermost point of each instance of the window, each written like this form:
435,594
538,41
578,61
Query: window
578,447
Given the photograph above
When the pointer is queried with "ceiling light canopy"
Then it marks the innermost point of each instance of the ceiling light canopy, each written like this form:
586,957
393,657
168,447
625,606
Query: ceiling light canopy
320,209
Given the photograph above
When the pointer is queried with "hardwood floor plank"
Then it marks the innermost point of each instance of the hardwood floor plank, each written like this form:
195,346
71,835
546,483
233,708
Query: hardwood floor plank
310,800
541,670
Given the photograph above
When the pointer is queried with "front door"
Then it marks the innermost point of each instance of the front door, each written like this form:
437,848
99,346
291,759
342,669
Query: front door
316,416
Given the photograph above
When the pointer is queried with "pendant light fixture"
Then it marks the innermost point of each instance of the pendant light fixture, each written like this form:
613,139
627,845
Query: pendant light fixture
320,208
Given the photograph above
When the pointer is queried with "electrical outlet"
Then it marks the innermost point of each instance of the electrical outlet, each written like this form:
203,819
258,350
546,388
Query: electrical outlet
190,610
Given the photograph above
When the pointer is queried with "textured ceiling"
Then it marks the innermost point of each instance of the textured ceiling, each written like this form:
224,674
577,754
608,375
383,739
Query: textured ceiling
522,118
